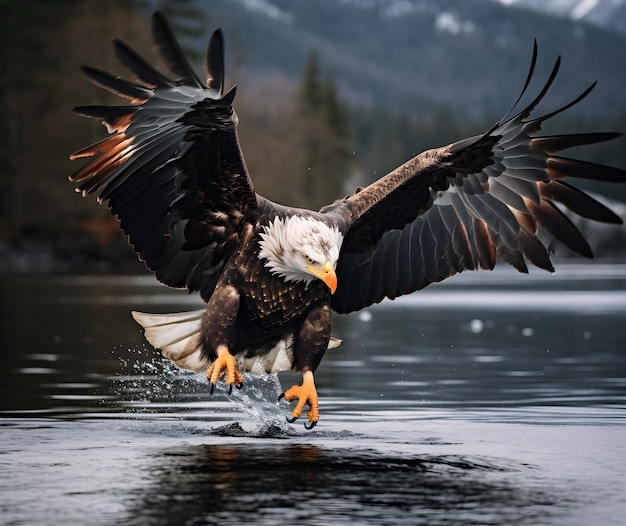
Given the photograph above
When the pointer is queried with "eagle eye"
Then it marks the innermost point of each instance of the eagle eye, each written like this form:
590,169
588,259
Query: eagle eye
309,260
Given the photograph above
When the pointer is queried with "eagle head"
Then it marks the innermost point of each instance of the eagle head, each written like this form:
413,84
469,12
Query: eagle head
300,248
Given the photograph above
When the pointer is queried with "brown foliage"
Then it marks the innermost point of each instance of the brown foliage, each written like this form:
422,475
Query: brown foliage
270,133
40,128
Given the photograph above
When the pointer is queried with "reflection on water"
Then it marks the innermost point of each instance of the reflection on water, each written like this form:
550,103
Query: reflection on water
328,485
489,399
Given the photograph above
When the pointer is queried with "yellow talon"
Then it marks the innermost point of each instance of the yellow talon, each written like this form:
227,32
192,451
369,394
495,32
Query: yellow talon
224,364
305,393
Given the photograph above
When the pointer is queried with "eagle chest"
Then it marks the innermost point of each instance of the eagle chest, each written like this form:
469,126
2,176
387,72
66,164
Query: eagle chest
268,302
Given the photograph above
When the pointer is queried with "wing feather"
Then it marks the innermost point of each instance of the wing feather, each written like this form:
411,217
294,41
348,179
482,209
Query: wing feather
116,85
171,52
505,195
578,202
141,69
405,267
468,204
172,171
419,270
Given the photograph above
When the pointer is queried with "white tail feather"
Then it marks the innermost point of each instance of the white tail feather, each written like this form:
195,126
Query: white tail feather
334,342
177,336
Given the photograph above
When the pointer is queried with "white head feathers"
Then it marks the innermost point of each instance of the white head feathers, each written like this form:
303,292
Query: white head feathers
291,244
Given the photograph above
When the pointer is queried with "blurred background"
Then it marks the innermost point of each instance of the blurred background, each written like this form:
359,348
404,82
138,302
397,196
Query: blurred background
332,94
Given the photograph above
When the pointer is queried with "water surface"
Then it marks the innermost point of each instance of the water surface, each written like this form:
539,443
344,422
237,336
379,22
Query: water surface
489,399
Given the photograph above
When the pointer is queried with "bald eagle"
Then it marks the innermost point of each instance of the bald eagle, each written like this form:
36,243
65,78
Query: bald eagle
172,172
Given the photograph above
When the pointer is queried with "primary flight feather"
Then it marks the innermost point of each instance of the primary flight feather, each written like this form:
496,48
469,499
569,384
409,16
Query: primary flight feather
173,173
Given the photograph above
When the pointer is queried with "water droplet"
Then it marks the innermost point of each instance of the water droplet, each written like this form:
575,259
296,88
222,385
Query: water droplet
477,326
528,331
365,316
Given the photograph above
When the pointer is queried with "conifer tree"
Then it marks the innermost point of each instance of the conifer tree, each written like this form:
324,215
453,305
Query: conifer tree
326,139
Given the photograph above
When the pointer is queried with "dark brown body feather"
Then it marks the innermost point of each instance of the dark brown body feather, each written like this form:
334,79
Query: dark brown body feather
266,310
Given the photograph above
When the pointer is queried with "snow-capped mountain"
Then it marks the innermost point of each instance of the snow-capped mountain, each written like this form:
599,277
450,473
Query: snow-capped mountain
610,14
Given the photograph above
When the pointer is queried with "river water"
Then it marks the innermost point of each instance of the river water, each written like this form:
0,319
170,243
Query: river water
490,399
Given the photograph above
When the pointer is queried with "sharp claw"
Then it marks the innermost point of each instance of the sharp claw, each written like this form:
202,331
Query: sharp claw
305,394
224,366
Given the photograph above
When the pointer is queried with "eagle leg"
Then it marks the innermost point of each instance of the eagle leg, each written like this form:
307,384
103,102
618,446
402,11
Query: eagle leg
306,394
224,364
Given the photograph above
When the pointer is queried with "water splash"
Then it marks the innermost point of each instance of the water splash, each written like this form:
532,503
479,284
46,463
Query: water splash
259,399
263,430
157,385
155,380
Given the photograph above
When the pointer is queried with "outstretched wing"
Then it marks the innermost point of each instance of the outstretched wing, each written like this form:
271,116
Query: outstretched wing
463,206
171,169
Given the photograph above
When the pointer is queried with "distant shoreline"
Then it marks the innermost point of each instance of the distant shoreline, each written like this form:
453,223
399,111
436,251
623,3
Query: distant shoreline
29,257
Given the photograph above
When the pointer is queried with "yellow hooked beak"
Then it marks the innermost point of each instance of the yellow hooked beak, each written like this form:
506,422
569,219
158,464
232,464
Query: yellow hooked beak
327,275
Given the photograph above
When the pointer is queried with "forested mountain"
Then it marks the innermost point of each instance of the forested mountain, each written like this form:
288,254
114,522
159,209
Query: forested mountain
417,55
